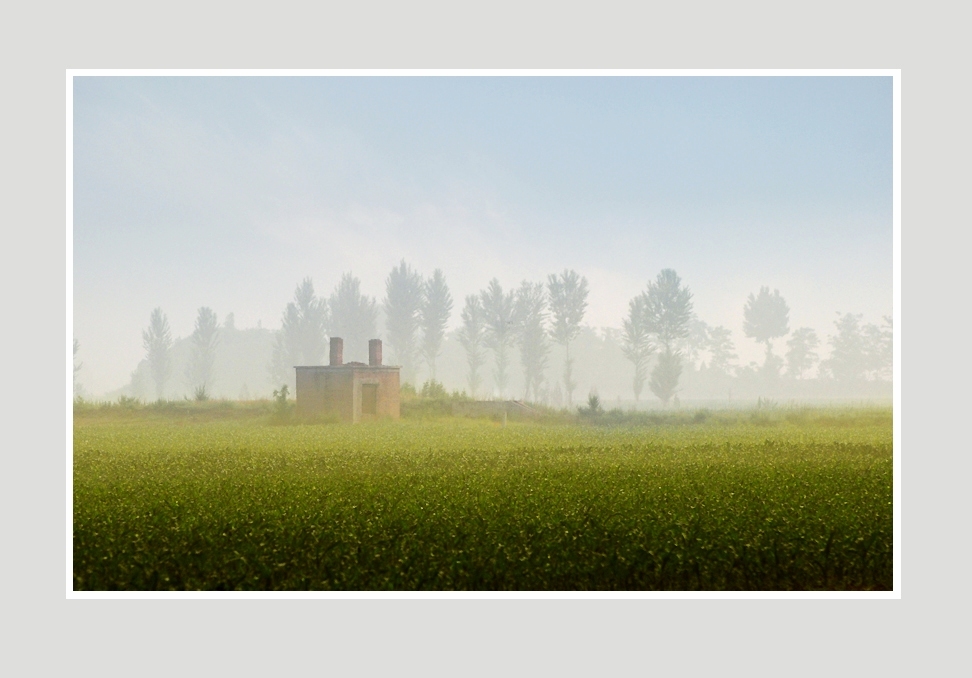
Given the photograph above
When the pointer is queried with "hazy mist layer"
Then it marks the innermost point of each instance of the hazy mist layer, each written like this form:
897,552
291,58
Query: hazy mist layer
227,192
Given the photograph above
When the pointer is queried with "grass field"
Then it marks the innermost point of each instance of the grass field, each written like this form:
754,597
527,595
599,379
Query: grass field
784,500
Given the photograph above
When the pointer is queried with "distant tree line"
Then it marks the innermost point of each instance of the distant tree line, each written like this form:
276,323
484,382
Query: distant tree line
527,318
416,314
662,318
659,335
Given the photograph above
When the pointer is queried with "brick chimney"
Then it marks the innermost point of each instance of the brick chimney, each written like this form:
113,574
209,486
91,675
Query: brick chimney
374,352
337,351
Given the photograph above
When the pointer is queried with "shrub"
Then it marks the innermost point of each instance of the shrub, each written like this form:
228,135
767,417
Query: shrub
433,389
128,402
593,408
281,407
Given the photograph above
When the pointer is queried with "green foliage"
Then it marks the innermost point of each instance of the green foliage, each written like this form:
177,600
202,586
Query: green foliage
660,314
766,317
664,378
403,307
301,339
354,317
204,340
800,354
432,402
859,352
128,403
472,336
636,341
498,313
668,308
127,408
433,389
568,301
282,408
529,318
720,504
593,408
286,345
721,349
436,308
157,341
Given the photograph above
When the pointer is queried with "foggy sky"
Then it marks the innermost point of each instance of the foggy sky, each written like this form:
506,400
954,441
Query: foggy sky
226,192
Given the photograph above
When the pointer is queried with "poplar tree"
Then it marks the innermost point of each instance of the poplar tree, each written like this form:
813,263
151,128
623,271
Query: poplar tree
498,314
766,317
668,310
302,339
354,317
286,347
568,301
312,324
530,314
436,309
636,342
472,336
157,341
202,342
404,291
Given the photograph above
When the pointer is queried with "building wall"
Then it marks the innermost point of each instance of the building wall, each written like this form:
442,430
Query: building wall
322,390
388,404
327,390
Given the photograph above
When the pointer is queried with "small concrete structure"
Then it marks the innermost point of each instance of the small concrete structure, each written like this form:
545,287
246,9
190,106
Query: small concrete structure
354,391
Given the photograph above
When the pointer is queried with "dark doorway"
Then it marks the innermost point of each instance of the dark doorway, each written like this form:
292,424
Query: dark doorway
369,398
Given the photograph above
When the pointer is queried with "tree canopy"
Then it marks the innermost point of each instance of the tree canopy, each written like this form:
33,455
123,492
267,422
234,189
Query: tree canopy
203,342
302,339
435,312
157,340
354,317
766,317
721,350
636,341
500,329
801,354
312,323
530,313
472,336
668,311
859,352
404,292
668,308
568,301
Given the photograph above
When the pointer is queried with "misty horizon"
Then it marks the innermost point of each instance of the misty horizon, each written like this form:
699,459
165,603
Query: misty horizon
227,192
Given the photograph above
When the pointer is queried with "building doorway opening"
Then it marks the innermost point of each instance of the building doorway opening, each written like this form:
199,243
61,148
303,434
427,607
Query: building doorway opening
369,399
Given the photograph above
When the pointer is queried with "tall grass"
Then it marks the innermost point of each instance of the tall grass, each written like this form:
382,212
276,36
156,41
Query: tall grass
714,504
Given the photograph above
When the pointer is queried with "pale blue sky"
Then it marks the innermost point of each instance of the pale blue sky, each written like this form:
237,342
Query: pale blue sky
225,192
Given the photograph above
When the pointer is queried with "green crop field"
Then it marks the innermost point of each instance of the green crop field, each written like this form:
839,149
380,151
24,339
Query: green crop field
785,500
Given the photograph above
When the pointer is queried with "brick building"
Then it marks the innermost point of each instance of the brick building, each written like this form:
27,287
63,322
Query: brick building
353,391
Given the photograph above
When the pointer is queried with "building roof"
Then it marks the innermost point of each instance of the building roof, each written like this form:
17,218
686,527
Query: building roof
353,365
